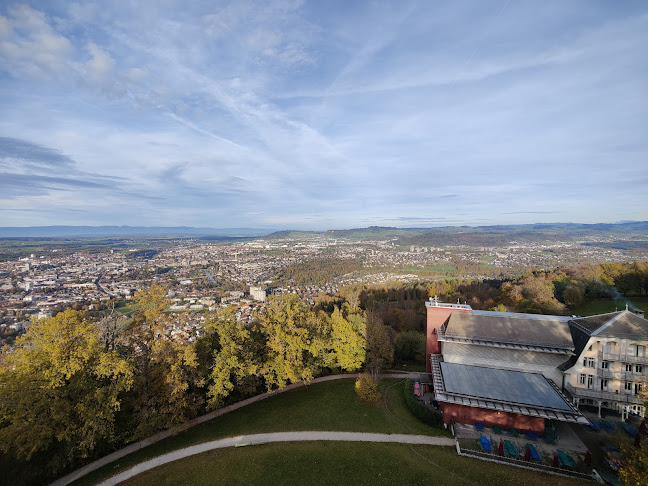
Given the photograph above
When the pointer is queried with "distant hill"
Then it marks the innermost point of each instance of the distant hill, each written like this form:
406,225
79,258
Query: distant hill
486,236
104,231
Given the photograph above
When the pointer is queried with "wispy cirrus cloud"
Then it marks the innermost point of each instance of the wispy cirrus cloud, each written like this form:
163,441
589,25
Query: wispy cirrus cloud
250,112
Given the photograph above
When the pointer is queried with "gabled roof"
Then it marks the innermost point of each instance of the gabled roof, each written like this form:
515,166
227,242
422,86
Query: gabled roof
623,324
509,328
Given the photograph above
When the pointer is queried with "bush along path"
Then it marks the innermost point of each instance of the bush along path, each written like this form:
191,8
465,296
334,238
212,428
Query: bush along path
258,439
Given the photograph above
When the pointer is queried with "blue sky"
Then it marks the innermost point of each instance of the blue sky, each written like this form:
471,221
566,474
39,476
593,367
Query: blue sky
323,114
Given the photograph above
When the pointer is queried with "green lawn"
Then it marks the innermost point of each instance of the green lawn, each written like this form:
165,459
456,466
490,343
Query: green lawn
324,406
609,305
340,463
127,307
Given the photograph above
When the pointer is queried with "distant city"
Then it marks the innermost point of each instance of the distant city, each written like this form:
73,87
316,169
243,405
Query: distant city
39,277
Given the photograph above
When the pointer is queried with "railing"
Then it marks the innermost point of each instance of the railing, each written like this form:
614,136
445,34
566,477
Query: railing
625,358
603,395
465,448
622,375
443,305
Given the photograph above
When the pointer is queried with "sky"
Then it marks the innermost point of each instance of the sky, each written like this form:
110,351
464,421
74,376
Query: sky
323,114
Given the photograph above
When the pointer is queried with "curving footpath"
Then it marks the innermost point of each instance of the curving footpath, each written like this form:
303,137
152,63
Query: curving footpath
88,468
255,439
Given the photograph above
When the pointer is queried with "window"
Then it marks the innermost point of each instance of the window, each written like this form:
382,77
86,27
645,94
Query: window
637,350
638,368
628,367
638,387
590,381
588,362
604,384
582,378
590,348
628,386
605,365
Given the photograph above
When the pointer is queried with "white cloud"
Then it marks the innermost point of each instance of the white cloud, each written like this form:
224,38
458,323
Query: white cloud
31,46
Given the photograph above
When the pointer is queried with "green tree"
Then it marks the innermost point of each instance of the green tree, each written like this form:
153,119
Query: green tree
410,346
60,391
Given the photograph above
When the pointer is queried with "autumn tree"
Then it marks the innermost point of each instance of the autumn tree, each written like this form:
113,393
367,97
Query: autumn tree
634,467
167,378
291,331
60,391
236,363
348,339
380,351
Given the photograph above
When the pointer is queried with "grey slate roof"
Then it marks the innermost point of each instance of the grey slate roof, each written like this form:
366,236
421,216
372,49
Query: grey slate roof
623,324
509,328
502,385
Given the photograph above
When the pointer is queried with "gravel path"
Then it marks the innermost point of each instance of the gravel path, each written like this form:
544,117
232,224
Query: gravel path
255,439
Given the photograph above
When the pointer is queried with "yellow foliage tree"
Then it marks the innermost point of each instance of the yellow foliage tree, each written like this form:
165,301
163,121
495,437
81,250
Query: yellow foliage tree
60,391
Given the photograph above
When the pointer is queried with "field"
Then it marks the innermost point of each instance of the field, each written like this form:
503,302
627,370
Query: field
325,406
610,305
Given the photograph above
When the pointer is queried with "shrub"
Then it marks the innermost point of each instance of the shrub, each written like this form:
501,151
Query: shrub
430,417
367,388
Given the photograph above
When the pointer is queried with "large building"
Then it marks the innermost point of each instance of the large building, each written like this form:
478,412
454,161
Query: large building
610,366
518,370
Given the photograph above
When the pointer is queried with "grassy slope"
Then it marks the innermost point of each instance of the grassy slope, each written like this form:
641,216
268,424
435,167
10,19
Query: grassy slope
340,463
325,406
609,305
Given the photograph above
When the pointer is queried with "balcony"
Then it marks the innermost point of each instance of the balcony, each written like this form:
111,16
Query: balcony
625,358
608,396
623,375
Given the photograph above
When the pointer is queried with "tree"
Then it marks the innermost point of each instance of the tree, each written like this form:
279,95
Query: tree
348,338
410,346
634,467
291,331
367,388
167,374
237,361
60,391
380,352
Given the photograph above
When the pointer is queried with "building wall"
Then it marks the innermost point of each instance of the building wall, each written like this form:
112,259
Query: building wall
616,374
436,317
471,415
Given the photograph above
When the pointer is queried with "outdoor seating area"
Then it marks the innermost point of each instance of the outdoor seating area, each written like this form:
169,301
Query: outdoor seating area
567,454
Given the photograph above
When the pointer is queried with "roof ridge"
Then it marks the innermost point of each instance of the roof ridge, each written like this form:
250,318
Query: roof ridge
610,322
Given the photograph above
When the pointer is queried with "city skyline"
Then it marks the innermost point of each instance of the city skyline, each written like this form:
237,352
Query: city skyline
321,116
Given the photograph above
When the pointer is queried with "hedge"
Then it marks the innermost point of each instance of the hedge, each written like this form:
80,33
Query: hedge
430,417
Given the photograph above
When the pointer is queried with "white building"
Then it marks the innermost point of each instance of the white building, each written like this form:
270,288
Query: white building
257,293
610,366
